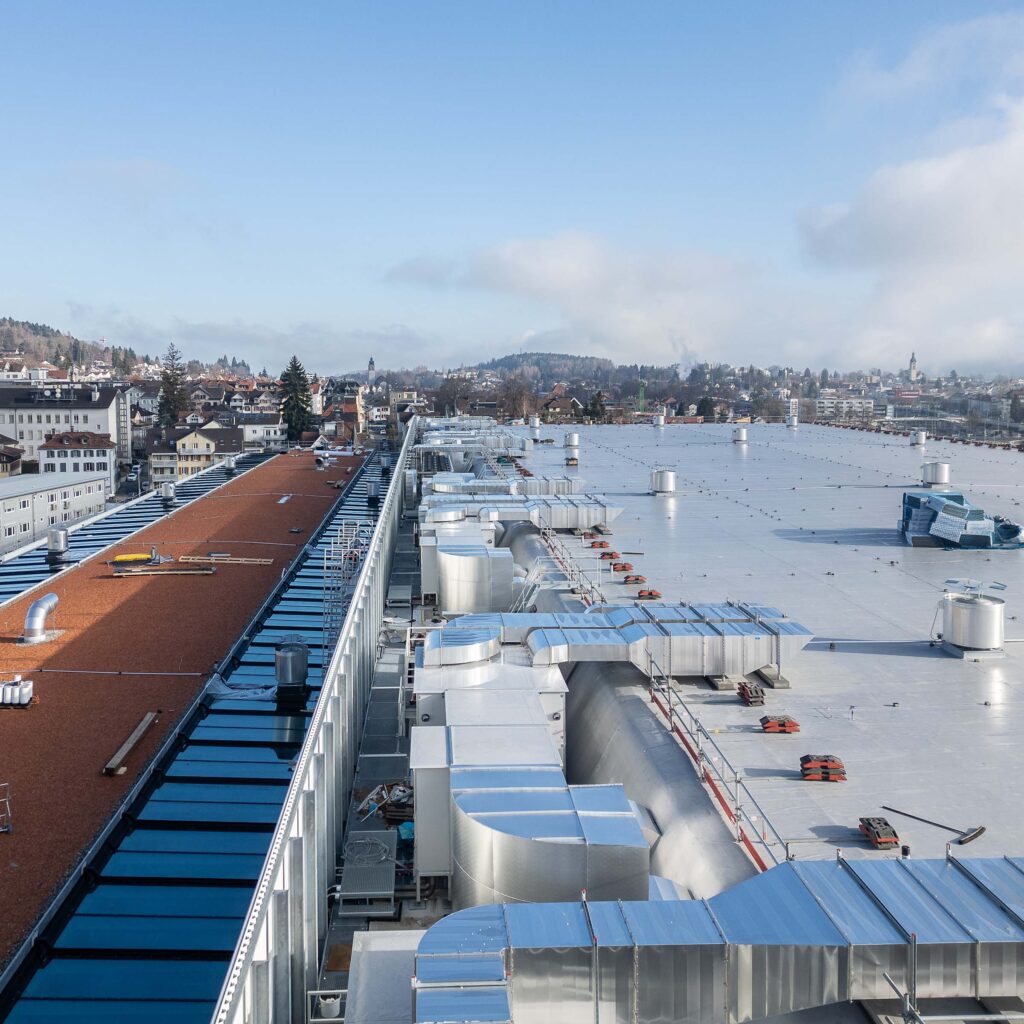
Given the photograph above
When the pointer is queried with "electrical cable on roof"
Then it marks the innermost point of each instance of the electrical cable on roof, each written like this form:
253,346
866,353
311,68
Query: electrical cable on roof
366,851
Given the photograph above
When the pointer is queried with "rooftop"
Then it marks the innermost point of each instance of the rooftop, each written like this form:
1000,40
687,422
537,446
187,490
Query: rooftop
806,520
31,483
128,646
78,439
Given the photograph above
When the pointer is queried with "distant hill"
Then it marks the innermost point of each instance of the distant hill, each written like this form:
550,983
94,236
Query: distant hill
37,342
40,341
551,366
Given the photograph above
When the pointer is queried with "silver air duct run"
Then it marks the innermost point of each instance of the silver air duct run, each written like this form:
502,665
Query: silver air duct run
35,619
803,935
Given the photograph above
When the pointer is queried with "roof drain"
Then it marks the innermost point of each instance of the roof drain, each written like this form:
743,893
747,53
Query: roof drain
35,620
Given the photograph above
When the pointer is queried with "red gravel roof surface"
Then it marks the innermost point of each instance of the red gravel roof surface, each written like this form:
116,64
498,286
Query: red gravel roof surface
53,753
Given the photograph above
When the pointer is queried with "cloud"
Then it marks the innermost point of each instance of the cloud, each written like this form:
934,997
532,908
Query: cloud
321,348
941,241
625,303
986,51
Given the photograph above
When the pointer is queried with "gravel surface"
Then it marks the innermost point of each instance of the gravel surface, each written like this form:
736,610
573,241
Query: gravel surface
53,753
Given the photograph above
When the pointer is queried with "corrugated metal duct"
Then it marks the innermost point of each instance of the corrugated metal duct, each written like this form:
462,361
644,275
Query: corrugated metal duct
474,578
493,812
559,511
800,936
679,640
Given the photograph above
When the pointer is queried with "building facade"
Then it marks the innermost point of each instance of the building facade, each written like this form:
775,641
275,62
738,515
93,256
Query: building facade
844,408
30,414
30,505
79,454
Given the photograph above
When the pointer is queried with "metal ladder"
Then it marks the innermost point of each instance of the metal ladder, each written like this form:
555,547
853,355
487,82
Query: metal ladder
343,556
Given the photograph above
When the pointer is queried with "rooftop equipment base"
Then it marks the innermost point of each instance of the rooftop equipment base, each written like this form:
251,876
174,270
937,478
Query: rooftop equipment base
771,676
970,654
725,682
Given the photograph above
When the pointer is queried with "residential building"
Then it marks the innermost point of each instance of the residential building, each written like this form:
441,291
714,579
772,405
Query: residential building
80,452
32,413
837,408
316,397
262,430
30,505
180,453
10,457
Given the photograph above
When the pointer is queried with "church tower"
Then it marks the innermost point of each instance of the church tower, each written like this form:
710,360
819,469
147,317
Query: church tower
912,374
371,372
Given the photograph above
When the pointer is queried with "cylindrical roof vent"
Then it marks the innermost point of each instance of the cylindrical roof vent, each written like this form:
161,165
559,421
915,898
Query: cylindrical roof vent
572,439
167,491
658,419
373,492
535,422
291,669
663,481
56,541
918,437
739,435
793,422
973,622
935,474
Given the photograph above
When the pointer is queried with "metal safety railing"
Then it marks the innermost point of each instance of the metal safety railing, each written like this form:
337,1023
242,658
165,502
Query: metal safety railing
754,829
276,960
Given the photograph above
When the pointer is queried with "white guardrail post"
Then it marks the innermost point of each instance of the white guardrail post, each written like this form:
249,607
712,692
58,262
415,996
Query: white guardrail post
275,962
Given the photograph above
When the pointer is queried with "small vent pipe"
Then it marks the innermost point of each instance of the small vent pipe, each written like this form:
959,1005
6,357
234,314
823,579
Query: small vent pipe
35,619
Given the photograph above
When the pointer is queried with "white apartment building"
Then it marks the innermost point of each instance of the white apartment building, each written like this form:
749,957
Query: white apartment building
31,413
79,452
844,408
30,505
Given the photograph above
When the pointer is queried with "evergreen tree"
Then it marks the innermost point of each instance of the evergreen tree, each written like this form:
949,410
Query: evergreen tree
706,408
297,399
173,392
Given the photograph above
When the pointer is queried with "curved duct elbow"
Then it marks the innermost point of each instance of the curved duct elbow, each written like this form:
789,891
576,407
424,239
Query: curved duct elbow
35,619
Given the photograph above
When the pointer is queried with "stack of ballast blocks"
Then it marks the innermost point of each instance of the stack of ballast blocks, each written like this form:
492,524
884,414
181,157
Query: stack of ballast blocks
822,768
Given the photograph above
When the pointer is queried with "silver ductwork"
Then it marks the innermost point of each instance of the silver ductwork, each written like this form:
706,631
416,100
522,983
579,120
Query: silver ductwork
494,814
474,578
614,737
35,619
677,640
801,936
558,511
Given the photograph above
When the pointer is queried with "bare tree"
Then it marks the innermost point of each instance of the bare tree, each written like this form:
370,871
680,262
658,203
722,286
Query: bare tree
516,396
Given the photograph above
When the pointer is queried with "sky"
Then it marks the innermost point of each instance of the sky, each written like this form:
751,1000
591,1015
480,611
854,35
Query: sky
791,183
